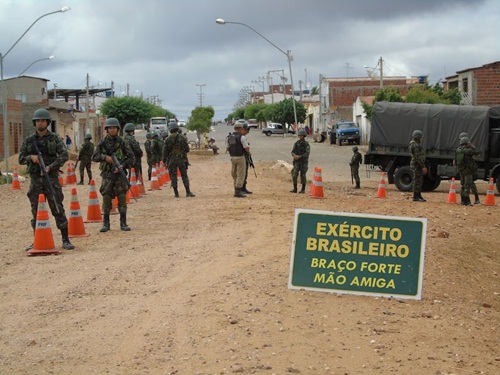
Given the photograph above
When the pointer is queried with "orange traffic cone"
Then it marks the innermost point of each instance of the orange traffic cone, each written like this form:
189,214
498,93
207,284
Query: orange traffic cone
75,221
452,195
167,175
381,192
70,175
155,185
93,209
15,181
312,187
61,179
134,189
490,194
43,243
140,186
318,187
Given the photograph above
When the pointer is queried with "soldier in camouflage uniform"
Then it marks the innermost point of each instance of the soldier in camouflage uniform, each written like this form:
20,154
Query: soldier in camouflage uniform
85,158
473,187
464,159
129,130
354,163
156,148
417,165
113,183
175,156
300,153
149,156
54,154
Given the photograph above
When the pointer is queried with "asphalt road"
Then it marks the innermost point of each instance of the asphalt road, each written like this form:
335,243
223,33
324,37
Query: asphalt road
332,159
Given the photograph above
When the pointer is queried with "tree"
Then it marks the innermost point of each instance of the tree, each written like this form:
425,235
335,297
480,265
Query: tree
282,112
315,90
201,120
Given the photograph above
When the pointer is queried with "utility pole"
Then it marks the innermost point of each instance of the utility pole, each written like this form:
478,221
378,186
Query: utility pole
381,63
200,85
87,104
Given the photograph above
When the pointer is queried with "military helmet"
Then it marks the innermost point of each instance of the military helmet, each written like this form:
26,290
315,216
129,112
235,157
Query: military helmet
238,125
464,140
463,135
155,135
164,133
246,127
41,114
302,132
129,127
149,135
173,127
417,134
355,148
112,122
88,136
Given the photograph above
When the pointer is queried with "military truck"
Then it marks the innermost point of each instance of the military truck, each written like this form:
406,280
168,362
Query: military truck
392,126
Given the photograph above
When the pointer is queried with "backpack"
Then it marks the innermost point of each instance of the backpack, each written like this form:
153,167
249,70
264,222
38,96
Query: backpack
459,157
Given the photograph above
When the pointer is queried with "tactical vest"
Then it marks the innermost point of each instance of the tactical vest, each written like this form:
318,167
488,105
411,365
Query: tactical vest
115,145
234,145
48,148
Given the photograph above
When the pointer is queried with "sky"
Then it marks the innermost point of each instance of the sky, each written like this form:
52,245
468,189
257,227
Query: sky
167,49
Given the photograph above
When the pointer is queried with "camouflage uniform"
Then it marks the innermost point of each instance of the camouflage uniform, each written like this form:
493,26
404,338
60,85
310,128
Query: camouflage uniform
54,154
175,156
137,150
85,158
354,163
302,149
464,157
417,164
113,183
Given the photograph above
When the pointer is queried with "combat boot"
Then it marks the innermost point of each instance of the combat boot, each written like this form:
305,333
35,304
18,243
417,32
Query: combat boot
66,244
357,186
416,198
176,193
476,201
189,193
294,190
245,190
421,198
468,202
238,193
105,224
81,181
123,222
303,190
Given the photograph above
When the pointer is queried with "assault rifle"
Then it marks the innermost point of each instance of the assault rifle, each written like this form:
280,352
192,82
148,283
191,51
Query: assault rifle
43,172
250,163
117,165
76,164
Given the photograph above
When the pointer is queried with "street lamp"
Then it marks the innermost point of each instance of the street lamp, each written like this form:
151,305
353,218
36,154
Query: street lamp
200,85
381,68
34,62
2,83
288,55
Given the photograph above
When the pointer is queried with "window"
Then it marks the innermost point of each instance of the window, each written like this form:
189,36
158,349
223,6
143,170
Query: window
21,97
465,85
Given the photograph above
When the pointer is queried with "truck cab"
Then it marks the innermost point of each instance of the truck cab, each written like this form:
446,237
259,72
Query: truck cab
347,132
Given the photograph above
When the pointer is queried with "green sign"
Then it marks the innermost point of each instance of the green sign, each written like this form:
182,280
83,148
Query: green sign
358,254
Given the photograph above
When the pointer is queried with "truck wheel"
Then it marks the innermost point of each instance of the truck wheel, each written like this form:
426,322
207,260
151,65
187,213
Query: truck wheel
403,178
268,134
430,184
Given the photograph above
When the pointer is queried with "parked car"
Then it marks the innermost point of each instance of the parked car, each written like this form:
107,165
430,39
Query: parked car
252,123
275,128
181,123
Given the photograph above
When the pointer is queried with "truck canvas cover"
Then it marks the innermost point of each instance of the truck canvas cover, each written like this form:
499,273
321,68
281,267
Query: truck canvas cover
394,123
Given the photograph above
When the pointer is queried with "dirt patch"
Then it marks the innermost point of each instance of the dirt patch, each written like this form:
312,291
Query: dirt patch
199,286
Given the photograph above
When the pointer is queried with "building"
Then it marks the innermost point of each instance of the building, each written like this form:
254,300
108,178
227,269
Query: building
478,86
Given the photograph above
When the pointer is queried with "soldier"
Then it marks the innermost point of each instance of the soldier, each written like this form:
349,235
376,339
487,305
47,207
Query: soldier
245,131
156,148
129,130
175,156
238,147
464,159
85,158
148,145
114,181
54,154
300,153
417,165
473,187
354,163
